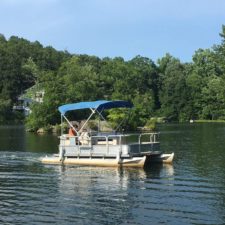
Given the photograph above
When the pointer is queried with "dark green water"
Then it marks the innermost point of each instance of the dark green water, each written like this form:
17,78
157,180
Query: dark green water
191,191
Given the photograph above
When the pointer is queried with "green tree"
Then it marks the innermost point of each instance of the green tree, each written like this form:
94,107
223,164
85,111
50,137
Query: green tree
202,71
172,88
213,97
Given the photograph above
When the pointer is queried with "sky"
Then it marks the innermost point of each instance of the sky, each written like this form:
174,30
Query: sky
117,28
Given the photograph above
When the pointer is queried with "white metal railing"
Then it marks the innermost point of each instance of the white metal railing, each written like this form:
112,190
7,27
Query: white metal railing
110,140
109,143
153,137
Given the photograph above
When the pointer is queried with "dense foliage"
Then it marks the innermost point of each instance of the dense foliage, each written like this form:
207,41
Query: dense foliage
169,88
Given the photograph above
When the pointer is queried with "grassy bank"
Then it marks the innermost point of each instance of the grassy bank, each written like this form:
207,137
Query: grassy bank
209,121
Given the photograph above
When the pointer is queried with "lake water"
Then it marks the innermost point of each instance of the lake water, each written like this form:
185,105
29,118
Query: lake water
191,191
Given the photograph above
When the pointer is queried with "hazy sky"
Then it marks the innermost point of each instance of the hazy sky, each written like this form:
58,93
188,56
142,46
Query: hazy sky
125,28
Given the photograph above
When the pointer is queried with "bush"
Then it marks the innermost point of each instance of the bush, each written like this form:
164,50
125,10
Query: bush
151,124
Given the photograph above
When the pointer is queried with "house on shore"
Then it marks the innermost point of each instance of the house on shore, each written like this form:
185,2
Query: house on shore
31,95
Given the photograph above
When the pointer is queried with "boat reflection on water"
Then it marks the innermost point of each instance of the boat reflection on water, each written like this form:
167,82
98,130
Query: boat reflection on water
84,180
160,170
109,195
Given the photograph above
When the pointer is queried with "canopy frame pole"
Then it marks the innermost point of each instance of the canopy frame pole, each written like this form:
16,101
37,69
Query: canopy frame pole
103,117
124,119
93,112
120,124
61,124
71,125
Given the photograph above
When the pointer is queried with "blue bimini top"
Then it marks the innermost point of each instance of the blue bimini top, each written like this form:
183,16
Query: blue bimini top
97,105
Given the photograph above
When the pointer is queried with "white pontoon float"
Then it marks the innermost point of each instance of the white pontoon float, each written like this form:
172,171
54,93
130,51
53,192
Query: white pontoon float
106,149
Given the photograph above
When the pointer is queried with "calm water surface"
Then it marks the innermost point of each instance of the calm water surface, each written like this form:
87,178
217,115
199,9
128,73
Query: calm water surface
191,191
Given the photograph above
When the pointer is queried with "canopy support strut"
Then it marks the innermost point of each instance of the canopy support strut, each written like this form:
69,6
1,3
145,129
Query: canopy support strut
93,112
102,117
71,125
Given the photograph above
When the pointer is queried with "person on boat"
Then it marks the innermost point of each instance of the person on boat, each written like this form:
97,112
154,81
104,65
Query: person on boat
72,132
84,137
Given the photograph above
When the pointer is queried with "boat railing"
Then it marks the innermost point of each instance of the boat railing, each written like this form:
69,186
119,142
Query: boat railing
148,137
111,139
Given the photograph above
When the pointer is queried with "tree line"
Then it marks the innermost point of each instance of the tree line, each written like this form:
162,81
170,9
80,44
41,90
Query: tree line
167,88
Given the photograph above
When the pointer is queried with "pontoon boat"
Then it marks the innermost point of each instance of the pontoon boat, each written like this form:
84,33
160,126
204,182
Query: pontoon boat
105,149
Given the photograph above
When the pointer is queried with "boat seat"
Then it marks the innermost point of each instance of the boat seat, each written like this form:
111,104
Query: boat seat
104,142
